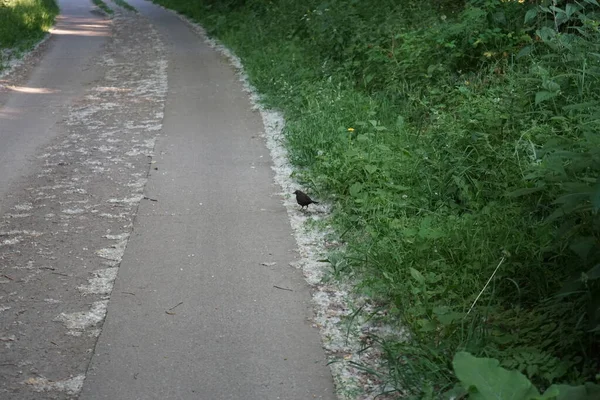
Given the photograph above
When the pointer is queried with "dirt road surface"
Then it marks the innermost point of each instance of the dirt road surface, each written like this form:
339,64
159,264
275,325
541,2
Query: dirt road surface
144,249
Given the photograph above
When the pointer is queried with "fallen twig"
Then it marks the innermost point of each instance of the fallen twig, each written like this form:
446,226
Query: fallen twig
282,288
485,286
176,305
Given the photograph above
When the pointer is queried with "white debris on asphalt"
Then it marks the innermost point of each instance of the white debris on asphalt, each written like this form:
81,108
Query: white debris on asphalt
70,386
101,282
79,321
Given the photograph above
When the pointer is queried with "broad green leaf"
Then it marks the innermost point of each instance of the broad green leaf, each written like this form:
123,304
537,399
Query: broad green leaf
370,169
449,318
572,8
499,17
355,189
417,276
546,34
551,86
587,391
426,230
560,18
400,122
457,392
550,394
594,2
490,380
593,273
525,51
426,325
543,96
387,276
530,15
383,148
445,315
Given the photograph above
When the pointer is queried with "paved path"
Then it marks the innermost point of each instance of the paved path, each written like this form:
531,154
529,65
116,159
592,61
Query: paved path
31,108
194,312
202,244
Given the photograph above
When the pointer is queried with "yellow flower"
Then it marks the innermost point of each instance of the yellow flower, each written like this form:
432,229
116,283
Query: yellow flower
350,129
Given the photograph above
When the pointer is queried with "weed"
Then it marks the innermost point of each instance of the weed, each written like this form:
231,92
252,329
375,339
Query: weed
103,6
22,24
125,5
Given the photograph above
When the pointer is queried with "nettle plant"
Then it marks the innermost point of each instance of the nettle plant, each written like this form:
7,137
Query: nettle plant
564,79
483,379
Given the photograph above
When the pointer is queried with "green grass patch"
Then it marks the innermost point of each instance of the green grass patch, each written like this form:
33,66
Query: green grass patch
103,6
459,144
125,5
23,23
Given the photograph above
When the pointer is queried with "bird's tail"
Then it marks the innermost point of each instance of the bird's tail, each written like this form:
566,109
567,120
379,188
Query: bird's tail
315,202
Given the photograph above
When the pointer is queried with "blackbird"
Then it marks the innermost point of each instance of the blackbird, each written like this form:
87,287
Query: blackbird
303,199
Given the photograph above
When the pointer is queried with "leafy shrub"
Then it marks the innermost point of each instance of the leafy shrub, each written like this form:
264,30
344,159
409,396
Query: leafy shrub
459,144
483,378
25,20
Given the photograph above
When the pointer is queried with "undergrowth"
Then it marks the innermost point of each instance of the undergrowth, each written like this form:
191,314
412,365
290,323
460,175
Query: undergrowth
103,6
458,141
22,24
125,5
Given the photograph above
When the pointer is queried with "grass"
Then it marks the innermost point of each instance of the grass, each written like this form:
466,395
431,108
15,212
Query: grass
458,145
103,6
24,23
125,5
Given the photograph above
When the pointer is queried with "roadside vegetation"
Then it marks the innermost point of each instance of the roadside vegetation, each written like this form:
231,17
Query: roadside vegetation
459,142
103,6
125,5
23,23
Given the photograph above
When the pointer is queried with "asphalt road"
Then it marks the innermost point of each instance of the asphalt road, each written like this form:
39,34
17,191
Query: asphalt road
32,105
144,249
